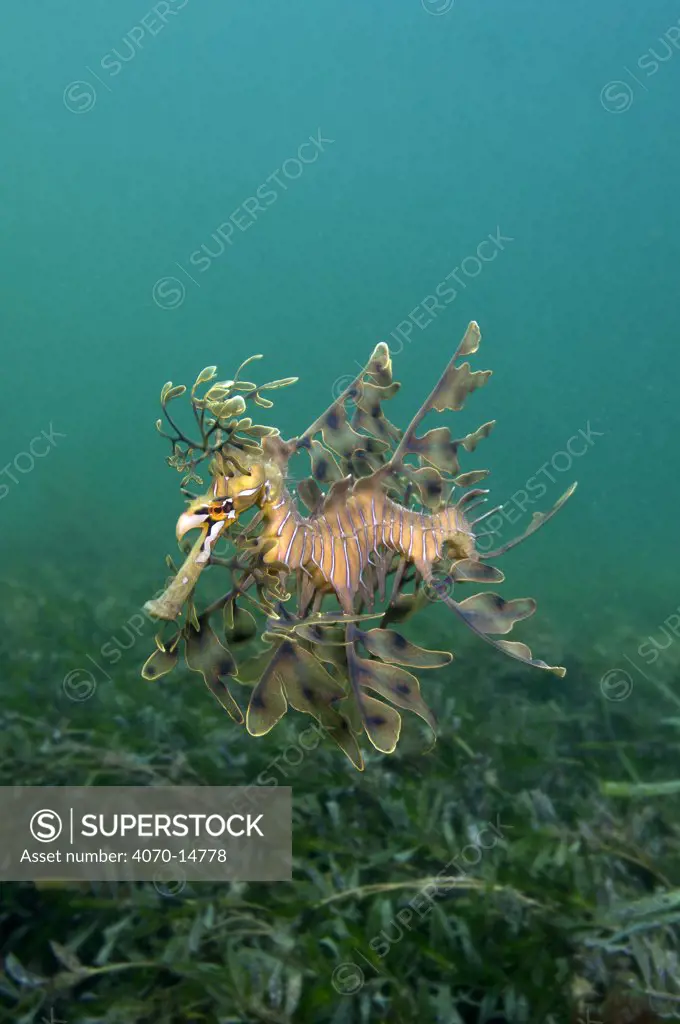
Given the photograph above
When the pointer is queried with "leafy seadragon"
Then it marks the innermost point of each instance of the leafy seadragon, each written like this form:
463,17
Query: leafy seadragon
385,516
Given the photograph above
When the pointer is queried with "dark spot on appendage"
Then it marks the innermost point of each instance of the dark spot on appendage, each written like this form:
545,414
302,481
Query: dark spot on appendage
399,641
376,720
332,420
308,693
257,703
403,688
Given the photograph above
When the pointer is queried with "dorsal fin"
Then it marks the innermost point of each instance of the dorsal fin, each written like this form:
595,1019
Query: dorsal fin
436,451
437,447
368,431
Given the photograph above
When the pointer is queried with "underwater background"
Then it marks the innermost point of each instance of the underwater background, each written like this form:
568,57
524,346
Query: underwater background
541,135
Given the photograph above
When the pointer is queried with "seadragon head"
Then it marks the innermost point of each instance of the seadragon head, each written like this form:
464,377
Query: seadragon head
229,498
246,462
238,485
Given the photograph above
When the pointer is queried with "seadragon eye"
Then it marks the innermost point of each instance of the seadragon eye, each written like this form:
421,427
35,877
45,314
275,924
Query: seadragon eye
221,509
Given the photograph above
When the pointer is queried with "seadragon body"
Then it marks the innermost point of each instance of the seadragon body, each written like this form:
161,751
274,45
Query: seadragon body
334,547
386,514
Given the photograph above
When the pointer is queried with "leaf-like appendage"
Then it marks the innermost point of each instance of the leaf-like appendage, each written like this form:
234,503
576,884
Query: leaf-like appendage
204,376
491,613
438,448
309,688
523,653
343,735
403,608
324,467
471,478
283,383
456,384
224,410
250,670
397,686
310,493
264,403
169,393
218,392
160,663
381,723
537,520
379,365
204,653
371,395
376,424
296,677
470,441
431,486
268,703
239,624
469,570
339,435
395,649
